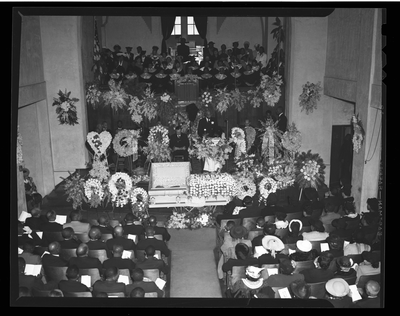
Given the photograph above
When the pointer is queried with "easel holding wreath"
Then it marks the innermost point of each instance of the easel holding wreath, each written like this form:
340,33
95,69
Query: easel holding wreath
125,144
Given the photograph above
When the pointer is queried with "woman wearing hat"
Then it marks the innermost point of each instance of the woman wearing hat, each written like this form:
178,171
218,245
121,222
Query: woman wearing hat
243,258
304,251
285,275
322,270
337,293
273,245
300,290
293,235
252,284
345,268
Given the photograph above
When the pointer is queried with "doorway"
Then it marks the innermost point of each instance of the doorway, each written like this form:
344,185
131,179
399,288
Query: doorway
341,155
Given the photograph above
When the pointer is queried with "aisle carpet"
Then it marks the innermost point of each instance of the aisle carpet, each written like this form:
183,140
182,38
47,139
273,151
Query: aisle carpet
193,267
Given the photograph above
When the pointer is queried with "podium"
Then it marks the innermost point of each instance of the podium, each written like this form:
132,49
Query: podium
187,92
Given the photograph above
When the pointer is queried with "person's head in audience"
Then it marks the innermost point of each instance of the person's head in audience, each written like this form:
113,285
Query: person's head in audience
103,221
242,251
111,274
280,216
286,267
273,244
75,215
339,223
54,248
324,260
260,222
94,233
371,258
129,218
317,225
253,273
337,288
21,265
117,251
369,219
118,231
372,288
238,232
101,294
331,205
303,246
72,273
299,289
23,291
35,212
137,292
373,205
28,246
82,250
149,232
35,201
56,293
51,215
247,201
269,229
152,221
229,225
150,251
67,233
335,242
295,226
137,275
345,263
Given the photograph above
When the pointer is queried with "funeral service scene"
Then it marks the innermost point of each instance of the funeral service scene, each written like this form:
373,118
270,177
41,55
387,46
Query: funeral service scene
194,156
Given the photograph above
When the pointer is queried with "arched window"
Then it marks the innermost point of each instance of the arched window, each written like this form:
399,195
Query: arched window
185,23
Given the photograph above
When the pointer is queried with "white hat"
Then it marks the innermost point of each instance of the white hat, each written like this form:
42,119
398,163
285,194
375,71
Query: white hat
304,245
273,244
337,287
296,220
254,272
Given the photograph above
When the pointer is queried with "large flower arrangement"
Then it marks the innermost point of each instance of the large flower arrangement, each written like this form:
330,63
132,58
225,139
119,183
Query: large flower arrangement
283,171
125,143
158,149
217,149
94,192
99,142
74,188
66,109
223,100
206,99
309,170
271,88
246,186
244,165
140,203
100,170
209,185
120,185
93,95
267,186
291,139
116,97
195,219
358,133
309,97
239,138
271,139
177,220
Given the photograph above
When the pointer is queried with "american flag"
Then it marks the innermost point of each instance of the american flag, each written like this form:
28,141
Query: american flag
97,68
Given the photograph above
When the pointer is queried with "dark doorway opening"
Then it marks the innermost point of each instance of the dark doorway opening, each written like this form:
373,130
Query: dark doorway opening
341,156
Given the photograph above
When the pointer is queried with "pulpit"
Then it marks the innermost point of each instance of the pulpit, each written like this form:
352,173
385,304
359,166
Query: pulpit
187,92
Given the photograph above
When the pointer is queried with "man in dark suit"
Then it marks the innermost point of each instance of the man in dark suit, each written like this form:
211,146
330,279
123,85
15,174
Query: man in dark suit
121,65
51,225
130,228
70,241
152,241
118,261
28,255
179,143
103,226
207,125
83,261
53,259
119,239
251,209
158,230
95,242
282,120
272,208
110,284
129,56
36,220
72,284
371,297
28,281
148,287
183,50
152,262
23,236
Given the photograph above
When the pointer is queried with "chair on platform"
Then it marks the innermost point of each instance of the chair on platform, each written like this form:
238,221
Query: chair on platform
152,274
40,293
295,215
55,274
317,289
68,253
116,295
254,233
127,273
249,223
365,278
78,294
94,274
105,237
151,294
303,265
100,254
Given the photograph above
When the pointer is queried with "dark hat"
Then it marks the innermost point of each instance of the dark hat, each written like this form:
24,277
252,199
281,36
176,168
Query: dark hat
300,289
155,47
128,47
371,256
211,42
339,223
238,232
117,46
233,44
345,262
286,266
310,193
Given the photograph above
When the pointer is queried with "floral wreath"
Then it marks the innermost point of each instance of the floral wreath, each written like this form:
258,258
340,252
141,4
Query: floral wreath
66,109
130,143
156,131
310,170
93,191
291,139
119,194
266,187
246,187
358,136
139,191
309,97
237,134
158,145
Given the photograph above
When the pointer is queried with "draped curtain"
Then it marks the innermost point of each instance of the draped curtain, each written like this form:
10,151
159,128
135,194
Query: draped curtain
167,26
201,25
